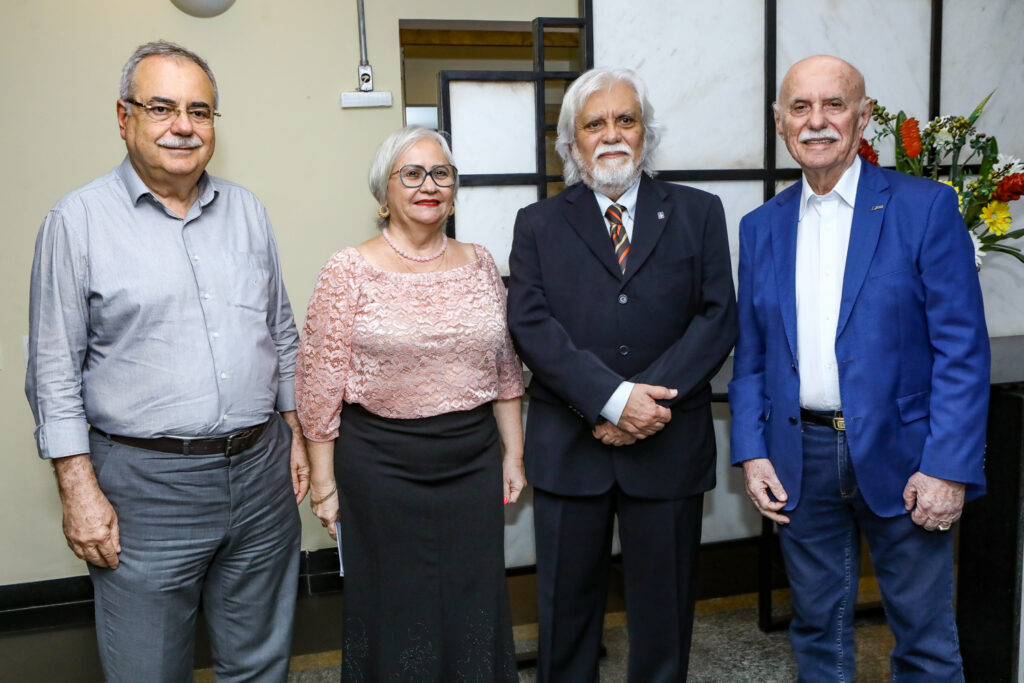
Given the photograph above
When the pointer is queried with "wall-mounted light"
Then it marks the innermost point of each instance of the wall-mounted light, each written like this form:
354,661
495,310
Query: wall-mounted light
203,8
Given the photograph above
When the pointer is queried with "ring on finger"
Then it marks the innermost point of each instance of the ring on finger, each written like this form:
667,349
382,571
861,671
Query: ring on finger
944,526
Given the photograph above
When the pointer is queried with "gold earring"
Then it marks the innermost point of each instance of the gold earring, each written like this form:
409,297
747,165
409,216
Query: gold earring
383,211
452,212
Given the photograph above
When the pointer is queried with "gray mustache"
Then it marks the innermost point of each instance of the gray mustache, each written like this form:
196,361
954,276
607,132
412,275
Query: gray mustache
190,142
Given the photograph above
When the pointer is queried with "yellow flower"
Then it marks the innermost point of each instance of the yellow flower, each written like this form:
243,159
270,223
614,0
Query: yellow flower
997,217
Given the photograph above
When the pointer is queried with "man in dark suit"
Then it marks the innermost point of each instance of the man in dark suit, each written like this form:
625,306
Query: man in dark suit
621,304
861,381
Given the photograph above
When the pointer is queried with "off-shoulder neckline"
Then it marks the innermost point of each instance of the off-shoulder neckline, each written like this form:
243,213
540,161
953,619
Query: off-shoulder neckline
476,264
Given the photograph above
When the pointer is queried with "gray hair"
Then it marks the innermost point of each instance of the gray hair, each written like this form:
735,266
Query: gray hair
576,98
395,146
161,48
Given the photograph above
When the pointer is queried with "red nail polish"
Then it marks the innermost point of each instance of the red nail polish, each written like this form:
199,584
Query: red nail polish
506,500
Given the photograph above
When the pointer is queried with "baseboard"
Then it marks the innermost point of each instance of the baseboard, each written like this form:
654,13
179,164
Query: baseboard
724,568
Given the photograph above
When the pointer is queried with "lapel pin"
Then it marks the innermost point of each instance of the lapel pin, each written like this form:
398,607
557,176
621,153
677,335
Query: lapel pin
876,208
661,215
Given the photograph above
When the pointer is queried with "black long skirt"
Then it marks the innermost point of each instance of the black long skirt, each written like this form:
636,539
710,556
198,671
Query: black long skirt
422,528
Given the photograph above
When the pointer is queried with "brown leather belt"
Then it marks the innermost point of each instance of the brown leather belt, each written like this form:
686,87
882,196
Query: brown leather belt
833,419
229,445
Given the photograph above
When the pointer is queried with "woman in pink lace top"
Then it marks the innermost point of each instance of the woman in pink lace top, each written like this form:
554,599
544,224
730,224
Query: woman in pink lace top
408,387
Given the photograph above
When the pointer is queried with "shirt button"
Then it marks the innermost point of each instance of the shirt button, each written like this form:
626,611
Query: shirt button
195,257
223,375
623,350
623,299
215,335
206,295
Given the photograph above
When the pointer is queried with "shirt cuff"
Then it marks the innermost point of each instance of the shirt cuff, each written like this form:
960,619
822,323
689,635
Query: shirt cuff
612,410
63,438
285,395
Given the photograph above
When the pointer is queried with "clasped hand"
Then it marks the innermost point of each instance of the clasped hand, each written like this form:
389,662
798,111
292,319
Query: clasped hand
641,417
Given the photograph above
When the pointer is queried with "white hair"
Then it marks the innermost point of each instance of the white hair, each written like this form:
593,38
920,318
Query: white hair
576,98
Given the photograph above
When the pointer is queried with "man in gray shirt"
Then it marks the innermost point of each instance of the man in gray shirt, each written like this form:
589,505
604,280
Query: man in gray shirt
158,317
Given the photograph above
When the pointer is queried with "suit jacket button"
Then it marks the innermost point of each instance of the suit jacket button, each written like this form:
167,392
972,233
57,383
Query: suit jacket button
793,420
623,299
793,365
623,350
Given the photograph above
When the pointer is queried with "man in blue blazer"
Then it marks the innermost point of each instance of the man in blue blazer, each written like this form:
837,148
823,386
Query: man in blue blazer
861,381
621,304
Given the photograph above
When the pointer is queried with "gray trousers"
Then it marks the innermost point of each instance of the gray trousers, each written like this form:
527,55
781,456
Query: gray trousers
226,529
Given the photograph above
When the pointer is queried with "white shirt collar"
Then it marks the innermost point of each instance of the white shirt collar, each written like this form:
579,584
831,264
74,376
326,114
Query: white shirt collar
846,188
627,200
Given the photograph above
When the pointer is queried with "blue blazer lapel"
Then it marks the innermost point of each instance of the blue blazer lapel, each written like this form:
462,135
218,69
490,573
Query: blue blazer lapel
868,212
783,237
583,214
652,215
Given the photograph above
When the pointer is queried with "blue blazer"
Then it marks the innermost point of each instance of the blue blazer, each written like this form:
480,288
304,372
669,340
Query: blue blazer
911,341
582,327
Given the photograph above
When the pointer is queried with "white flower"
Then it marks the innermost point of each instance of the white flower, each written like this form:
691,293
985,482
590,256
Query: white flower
1007,165
943,137
977,249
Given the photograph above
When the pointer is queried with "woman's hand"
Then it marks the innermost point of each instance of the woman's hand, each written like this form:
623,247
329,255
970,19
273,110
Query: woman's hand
514,478
323,501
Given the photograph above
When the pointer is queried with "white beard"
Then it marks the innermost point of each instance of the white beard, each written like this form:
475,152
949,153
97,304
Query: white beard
610,178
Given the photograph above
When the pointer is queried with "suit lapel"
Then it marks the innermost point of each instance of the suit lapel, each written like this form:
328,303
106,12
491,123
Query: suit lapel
583,214
653,212
783,236
868,211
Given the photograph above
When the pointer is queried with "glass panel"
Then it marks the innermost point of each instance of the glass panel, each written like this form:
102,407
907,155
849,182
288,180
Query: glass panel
486,215
897,76
493,127
703,64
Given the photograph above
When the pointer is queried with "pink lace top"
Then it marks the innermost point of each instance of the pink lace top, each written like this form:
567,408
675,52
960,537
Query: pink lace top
403,345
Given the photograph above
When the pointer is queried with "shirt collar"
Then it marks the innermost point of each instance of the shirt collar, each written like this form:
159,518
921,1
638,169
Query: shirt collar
137,188
845,189
627,200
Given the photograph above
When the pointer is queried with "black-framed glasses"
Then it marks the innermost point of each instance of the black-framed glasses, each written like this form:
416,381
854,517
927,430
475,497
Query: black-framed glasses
161,112
414,175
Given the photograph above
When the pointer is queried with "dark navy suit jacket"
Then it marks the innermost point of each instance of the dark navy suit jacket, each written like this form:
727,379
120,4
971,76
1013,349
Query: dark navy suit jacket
582,327
911,341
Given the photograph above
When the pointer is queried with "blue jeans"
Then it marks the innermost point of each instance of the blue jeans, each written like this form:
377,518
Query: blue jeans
821,548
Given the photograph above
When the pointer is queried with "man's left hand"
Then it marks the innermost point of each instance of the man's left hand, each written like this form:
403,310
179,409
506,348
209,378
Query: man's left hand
610,435
299,457
934,503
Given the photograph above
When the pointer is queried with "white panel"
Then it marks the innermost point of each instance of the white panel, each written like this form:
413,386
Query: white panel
486,215
703,64
493,127
981,52
888,40
739,198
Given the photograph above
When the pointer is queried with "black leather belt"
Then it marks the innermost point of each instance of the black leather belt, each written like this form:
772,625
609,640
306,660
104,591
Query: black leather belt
833,419
229,445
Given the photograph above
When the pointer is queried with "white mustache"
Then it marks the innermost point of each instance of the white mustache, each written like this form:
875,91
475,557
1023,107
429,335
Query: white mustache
824,134
610,149
175,142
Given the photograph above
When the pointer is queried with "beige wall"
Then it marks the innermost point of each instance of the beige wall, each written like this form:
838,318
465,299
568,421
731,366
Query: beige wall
281,67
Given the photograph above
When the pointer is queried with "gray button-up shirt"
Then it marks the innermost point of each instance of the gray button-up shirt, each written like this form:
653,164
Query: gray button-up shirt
145,324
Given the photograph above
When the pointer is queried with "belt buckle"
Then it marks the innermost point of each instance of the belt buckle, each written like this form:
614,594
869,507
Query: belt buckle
839,424
227,443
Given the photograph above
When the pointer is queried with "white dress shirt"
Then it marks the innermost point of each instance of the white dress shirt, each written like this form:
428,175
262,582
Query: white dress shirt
612,410
822,241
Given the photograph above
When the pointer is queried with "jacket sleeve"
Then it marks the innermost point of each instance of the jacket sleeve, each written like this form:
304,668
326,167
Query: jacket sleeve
746,390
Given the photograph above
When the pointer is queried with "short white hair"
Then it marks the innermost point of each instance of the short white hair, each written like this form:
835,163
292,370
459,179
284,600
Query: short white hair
395,146
576,98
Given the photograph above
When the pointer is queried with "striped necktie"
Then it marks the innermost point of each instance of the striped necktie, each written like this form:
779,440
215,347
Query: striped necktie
620,241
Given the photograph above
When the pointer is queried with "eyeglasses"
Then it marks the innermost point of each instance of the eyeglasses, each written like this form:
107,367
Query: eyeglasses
414,175
161,113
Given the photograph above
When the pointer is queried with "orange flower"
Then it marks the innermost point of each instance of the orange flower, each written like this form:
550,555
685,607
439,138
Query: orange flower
911,136
867,152
1010,188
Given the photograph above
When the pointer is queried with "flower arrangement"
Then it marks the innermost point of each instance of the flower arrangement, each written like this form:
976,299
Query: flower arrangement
985,180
